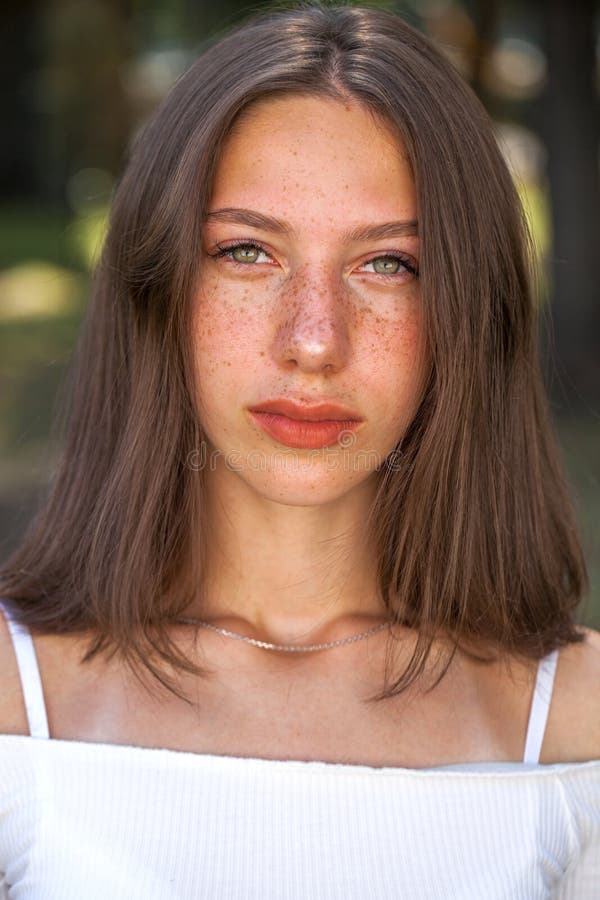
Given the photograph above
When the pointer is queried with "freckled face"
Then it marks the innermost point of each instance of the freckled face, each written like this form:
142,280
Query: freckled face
316,306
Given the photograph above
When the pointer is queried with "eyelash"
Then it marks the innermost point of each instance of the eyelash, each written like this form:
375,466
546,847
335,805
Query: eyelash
227,250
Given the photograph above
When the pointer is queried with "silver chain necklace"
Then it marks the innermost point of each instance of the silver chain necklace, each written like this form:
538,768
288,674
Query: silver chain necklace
290,648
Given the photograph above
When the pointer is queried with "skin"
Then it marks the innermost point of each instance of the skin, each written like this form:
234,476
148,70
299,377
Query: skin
312,316
309,321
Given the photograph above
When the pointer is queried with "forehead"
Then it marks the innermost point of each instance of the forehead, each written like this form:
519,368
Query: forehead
303,157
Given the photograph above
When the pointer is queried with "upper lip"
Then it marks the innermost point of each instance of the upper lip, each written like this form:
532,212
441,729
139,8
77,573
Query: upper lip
316,413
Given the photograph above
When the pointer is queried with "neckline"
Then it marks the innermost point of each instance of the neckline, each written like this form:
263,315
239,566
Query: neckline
214,760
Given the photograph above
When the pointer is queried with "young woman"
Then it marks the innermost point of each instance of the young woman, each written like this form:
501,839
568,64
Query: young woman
291,619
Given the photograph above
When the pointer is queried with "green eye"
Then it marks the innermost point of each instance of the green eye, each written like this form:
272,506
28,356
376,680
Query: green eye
386,265
245,253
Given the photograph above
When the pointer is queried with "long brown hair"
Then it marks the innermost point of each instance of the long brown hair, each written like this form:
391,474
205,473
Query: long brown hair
474,529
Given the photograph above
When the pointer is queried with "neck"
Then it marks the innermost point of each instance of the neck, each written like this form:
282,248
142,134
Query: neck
286,574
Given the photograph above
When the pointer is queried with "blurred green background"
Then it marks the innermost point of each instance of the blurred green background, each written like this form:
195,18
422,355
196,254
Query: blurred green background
81,76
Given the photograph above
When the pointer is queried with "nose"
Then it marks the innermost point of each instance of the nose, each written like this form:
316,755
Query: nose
312,328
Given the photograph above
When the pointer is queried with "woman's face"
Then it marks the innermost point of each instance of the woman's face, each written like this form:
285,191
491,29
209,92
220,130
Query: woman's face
308,292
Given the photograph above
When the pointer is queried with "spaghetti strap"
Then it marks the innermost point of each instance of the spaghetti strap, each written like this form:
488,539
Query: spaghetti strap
540,706
31,682
33,694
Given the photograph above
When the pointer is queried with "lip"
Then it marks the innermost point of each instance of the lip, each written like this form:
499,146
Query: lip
320,412
303,433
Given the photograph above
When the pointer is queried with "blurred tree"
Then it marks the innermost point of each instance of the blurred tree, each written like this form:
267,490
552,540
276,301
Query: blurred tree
83,88
20,57
485,15
571,127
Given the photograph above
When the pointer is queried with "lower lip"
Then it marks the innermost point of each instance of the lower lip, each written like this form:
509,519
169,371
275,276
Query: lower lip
302,434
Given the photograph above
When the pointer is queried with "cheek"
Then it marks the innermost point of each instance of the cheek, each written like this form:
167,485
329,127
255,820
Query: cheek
217,321
400,338
225,336
399,364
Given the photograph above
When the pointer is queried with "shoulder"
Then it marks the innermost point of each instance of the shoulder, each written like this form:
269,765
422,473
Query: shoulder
573,729
67,687
13,716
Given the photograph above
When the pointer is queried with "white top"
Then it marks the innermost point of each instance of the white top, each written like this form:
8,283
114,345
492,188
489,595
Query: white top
91,821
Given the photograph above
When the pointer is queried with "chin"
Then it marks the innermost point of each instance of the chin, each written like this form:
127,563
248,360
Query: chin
295,488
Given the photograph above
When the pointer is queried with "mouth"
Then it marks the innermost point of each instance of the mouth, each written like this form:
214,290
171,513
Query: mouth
307,434
320,412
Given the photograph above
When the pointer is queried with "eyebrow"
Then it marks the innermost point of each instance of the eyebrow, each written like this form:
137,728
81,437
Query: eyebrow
253,219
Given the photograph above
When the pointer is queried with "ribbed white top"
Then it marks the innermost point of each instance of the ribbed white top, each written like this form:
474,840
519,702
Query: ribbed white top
84,821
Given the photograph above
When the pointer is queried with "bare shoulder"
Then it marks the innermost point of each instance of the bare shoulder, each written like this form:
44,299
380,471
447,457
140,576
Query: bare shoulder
573,729
13,717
